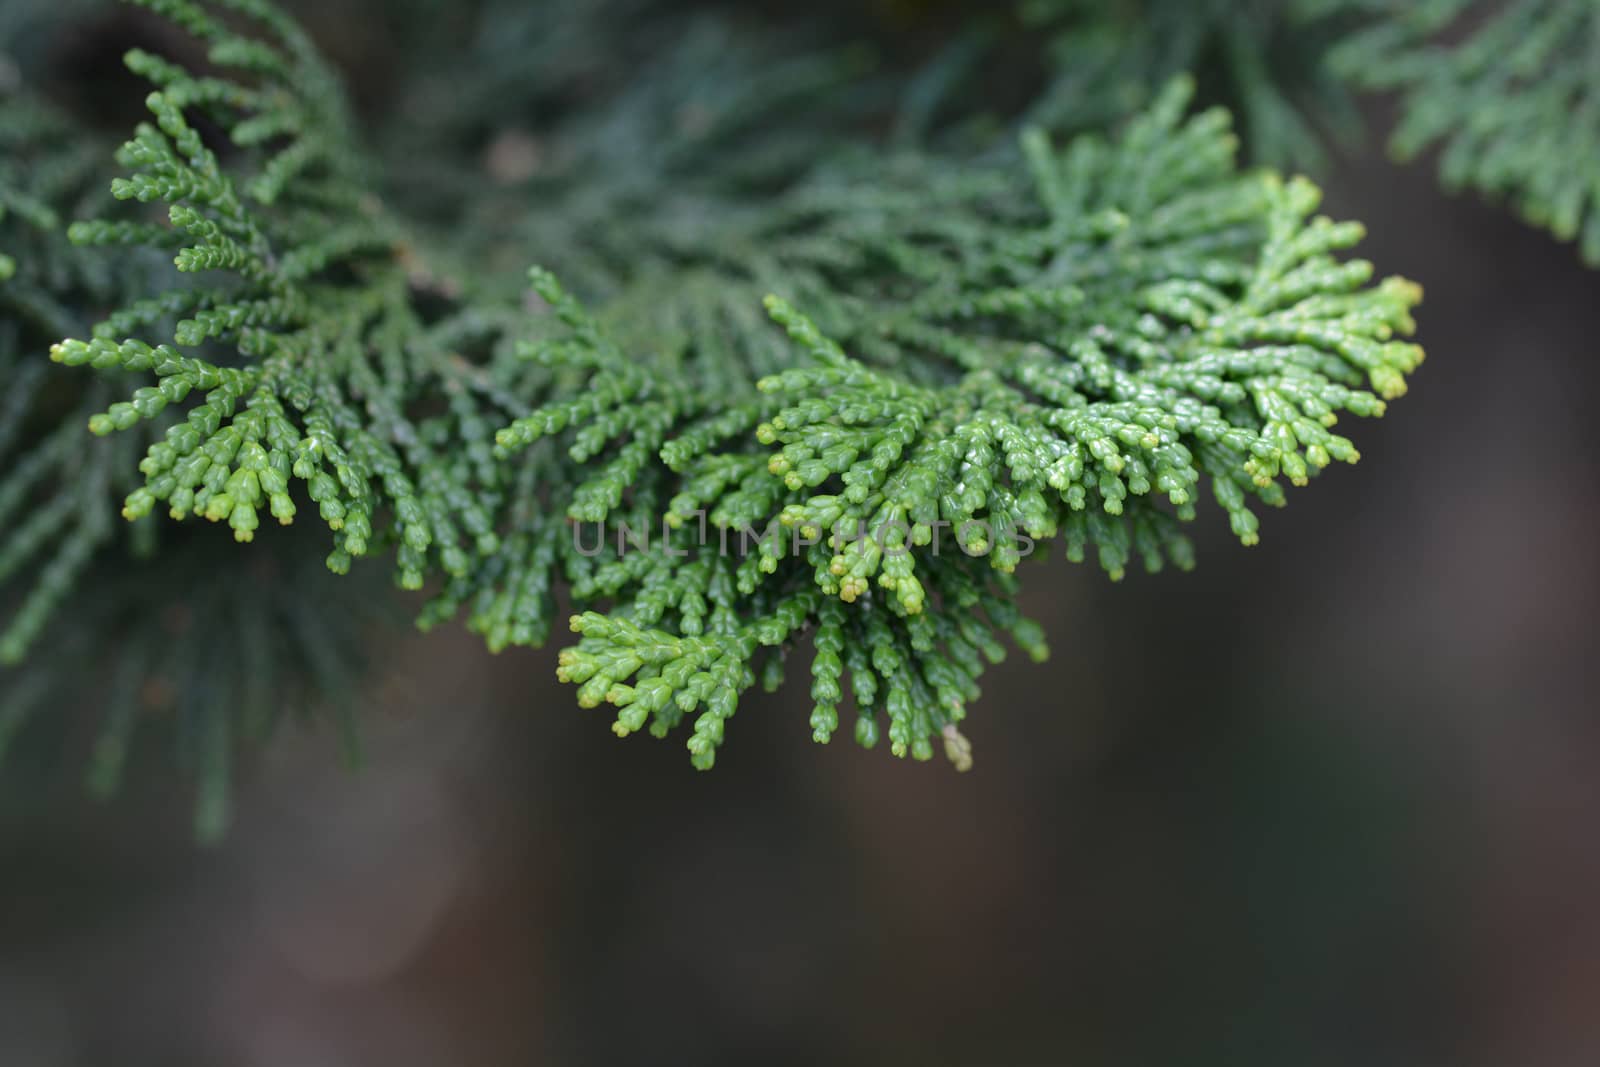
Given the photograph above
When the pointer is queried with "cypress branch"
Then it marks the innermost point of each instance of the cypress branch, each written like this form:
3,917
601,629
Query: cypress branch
1513,100
767,396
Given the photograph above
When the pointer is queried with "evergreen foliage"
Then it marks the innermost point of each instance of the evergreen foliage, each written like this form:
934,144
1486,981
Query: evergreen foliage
1265,56
216,662
1063,368
51,507
813,365
1060,343
1506,88
1510,91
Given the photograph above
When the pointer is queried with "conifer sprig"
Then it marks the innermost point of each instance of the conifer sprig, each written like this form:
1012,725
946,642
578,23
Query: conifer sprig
1156,320
1510,91
964,358
313,364
130,631
55,491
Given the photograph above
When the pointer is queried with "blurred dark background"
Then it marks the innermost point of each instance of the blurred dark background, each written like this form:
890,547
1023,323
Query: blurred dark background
1326,801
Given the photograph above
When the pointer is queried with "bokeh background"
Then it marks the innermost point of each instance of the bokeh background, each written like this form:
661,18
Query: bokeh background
1326,801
